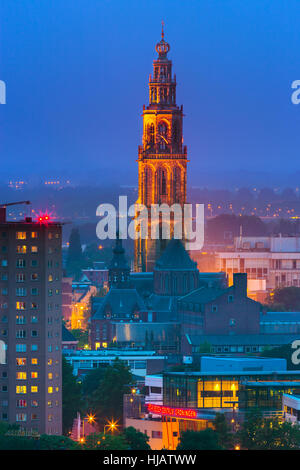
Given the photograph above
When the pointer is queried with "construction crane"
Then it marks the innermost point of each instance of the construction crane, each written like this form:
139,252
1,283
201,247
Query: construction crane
4,206
14,203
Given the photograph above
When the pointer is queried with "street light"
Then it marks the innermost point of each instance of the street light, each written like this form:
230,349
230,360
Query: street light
112,425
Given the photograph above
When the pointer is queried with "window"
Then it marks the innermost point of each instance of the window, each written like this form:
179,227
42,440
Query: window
50,376
21,403
214,308
34,389
21,291
21,389
34,347
34,403
34,319
22,249
21,361
21,417
4,277
21,334
230,299
4,291
20,277
34,234
34,333
34,375
34,291
34,416
21,375
156,435
50,278
21,235
34,263
34,276
34,361
33,305
34,249
21,263
4,263
50,389
20,305
20,320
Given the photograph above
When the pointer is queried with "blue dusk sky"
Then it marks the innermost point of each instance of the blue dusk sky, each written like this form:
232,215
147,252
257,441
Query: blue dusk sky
76,73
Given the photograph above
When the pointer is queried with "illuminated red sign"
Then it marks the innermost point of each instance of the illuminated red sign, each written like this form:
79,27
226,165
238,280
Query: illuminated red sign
167,410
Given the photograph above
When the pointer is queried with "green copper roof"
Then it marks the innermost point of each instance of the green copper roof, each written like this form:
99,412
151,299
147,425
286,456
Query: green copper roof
175,257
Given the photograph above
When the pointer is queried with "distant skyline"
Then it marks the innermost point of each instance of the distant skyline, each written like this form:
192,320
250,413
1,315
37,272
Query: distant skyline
77,71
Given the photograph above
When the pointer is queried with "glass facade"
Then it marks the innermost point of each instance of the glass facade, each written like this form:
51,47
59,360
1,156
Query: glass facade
228,391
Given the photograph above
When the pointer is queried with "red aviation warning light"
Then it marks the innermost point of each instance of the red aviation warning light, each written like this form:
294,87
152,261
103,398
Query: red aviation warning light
43,218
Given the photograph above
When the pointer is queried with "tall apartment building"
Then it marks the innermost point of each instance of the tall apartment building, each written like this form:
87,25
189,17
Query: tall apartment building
30,324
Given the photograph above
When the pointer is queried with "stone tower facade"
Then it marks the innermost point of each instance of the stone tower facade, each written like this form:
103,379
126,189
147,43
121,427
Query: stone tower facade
162,158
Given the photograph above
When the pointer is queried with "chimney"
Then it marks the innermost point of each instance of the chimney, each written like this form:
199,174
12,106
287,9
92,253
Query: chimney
2,214
240,284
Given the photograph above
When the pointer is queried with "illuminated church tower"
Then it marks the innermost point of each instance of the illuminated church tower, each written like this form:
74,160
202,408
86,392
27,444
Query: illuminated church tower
162,159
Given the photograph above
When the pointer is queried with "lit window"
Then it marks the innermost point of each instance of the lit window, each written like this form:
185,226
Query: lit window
34,375
22,249
50,389
34,403
34,249
21,389
21,375
34,277
21,235
21,361
50,278
50,375
20,305
34,389
34,234
34,361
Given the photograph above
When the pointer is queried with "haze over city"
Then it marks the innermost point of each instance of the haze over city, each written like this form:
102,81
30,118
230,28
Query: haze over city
76,74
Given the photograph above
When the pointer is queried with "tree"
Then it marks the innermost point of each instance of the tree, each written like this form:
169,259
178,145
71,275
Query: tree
46,442
259,433
71,396
82,336
101,441
136,439
92,380
75,259
287,297
225,437
107,399
199,440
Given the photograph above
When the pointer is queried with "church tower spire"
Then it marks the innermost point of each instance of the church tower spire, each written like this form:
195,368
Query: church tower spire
162,158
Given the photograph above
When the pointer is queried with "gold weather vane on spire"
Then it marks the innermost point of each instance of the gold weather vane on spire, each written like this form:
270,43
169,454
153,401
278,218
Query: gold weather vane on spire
162,29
